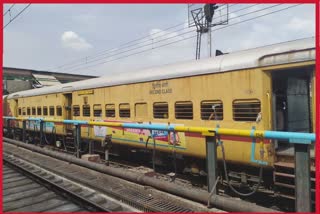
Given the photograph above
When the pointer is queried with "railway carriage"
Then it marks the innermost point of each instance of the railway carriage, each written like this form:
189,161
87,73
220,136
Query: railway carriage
266,88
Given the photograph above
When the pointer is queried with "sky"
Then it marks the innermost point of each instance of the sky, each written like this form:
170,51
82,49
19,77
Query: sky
90,38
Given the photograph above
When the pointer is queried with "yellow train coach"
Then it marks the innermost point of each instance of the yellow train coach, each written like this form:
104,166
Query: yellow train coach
268,88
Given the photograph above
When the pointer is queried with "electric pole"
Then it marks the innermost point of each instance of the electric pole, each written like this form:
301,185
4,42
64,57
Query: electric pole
209,10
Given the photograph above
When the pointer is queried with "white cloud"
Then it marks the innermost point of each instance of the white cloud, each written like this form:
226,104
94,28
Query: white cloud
72,40
297,22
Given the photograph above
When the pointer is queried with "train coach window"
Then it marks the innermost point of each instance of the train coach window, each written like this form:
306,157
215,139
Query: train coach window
19,111
76,111
97,110
246,110
28,111
184,110
160,110
86,110
33,110
212,110
110,110
51,110
45,110
59,111
124,110
39,111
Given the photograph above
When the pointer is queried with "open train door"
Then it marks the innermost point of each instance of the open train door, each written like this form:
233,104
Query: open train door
292,111
298,101
292,101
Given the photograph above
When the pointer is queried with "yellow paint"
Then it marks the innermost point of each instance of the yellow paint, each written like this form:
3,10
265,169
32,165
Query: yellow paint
241,133
229,86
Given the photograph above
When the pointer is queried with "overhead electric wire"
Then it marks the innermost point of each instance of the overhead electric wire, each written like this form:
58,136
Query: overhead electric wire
168,38
107,53
113,49
155,42
11,20
148,37
8,9
236,23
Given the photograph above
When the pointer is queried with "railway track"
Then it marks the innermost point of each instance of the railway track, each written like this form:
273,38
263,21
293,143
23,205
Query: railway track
28,187
92,186
20,193
145,168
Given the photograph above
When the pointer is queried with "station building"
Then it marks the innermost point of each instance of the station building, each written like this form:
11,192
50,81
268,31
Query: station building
20,79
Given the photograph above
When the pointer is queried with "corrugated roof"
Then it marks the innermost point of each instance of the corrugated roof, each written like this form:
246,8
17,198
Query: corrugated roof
46,80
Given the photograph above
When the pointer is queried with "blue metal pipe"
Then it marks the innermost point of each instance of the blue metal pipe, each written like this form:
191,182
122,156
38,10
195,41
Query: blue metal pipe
35,119
75,122
301,138
9,118
293,137
149,126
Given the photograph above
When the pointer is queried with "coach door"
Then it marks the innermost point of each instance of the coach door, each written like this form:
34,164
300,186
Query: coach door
291,100
298,101
67,108
15,108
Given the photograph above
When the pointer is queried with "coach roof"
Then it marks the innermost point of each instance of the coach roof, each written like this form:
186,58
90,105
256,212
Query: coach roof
281,53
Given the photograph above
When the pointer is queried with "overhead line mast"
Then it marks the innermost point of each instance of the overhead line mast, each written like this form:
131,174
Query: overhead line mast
85,66
202,20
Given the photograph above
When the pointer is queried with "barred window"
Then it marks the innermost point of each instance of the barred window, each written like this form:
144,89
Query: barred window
28,111
39,111
246,110
124,110
19,111
212,110
45,110
76,110
110,110
33,110
51,110
97,110
184,110
161,110
59,110
86,110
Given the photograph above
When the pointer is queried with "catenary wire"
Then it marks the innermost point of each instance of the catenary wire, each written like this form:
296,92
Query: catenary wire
129,44
155,42
11,20
110,54
236,23
8,9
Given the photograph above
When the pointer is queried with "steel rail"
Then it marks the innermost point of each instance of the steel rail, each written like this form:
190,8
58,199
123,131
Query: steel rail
14,161
220,202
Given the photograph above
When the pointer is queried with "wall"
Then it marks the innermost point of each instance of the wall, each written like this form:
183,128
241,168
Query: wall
17,85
